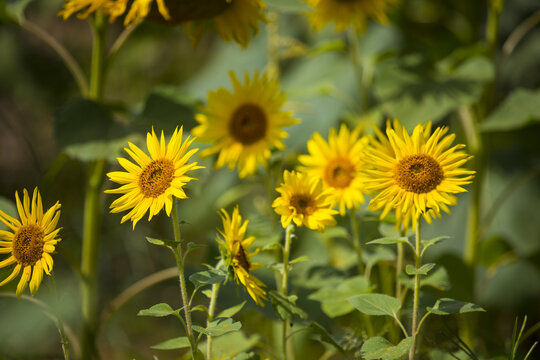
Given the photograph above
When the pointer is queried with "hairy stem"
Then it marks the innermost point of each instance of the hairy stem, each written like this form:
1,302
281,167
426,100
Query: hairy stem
284,288
211,311
418,263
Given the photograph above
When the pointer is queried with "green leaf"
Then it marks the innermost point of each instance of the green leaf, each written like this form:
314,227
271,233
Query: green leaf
158,310
376,304
218,327
427,243
325,336
272,246
247,356
231,311
200,308
232,343
380,348
13,10
519,109
208,277
299,259
172,344
375,254
333,298
389,240
285,307
448,306
160,242
424,269
437,279
193,246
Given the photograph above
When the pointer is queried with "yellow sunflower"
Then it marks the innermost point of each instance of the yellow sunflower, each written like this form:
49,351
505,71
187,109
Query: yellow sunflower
338,163
304,201
347,12
30,241
245,124
138,10
236,255
415,175
154,180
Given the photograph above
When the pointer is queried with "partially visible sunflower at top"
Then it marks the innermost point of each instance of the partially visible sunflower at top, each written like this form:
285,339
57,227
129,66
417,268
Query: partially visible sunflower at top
138,10
244,125
29,241
347,12
153,181
234,249
338,163
415,175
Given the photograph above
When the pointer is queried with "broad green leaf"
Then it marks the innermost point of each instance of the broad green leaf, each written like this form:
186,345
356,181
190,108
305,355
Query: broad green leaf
379,348
519,109
200,308
158,310
427,243
218,327
232,343
160,242
437,279
208,277
333,298
376,304
285,307
231,311
448,306
375,254
325,336
389,241
172,344
100,149
424,269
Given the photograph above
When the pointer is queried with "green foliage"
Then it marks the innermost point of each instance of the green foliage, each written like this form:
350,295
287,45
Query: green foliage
231,311
423,270
160,242
218,327
324,335
376,304
208,277
428,243
13,10
518,110
437,279
285,306
380,348
389,241
158,310
181,342
448,306
334,298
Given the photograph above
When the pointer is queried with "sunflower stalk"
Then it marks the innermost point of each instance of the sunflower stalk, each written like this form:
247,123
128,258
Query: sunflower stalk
211,311
59,322
287,352
418,263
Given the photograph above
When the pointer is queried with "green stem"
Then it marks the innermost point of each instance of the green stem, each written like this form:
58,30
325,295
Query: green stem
60,322
354,53
284,288
211,311
399,269
356,241
418,263
99,58
183,289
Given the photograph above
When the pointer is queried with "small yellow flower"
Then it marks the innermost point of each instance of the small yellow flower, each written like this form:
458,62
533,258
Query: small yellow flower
30,241
236,255
415,175
151,183
245,124
138,10
304,201
347,12
338,163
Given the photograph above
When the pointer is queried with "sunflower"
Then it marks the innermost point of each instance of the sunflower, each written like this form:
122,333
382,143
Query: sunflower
244,125
30,241
347,12
415,175
304,201
236,255
154,180
337,163
113,8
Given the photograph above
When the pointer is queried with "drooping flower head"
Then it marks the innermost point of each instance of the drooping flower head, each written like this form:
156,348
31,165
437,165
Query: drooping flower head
338,163
415,175
304,202
138,10
347,12
30,241
234,247
245,124
152,181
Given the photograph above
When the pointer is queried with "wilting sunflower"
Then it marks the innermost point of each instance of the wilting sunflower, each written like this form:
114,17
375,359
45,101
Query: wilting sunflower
245,124
138,10
415,175
236,256
154,180
30,241
347,12
338,163
304,201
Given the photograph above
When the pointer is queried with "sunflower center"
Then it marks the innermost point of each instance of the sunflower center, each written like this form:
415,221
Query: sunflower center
28,244
419,173
156,177
339,173
242,258
248,124
303,204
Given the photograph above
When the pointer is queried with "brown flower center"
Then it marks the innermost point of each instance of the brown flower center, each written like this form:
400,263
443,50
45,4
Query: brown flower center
156,177
419,173
339,173
28,244
303,204
248,124
242,258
